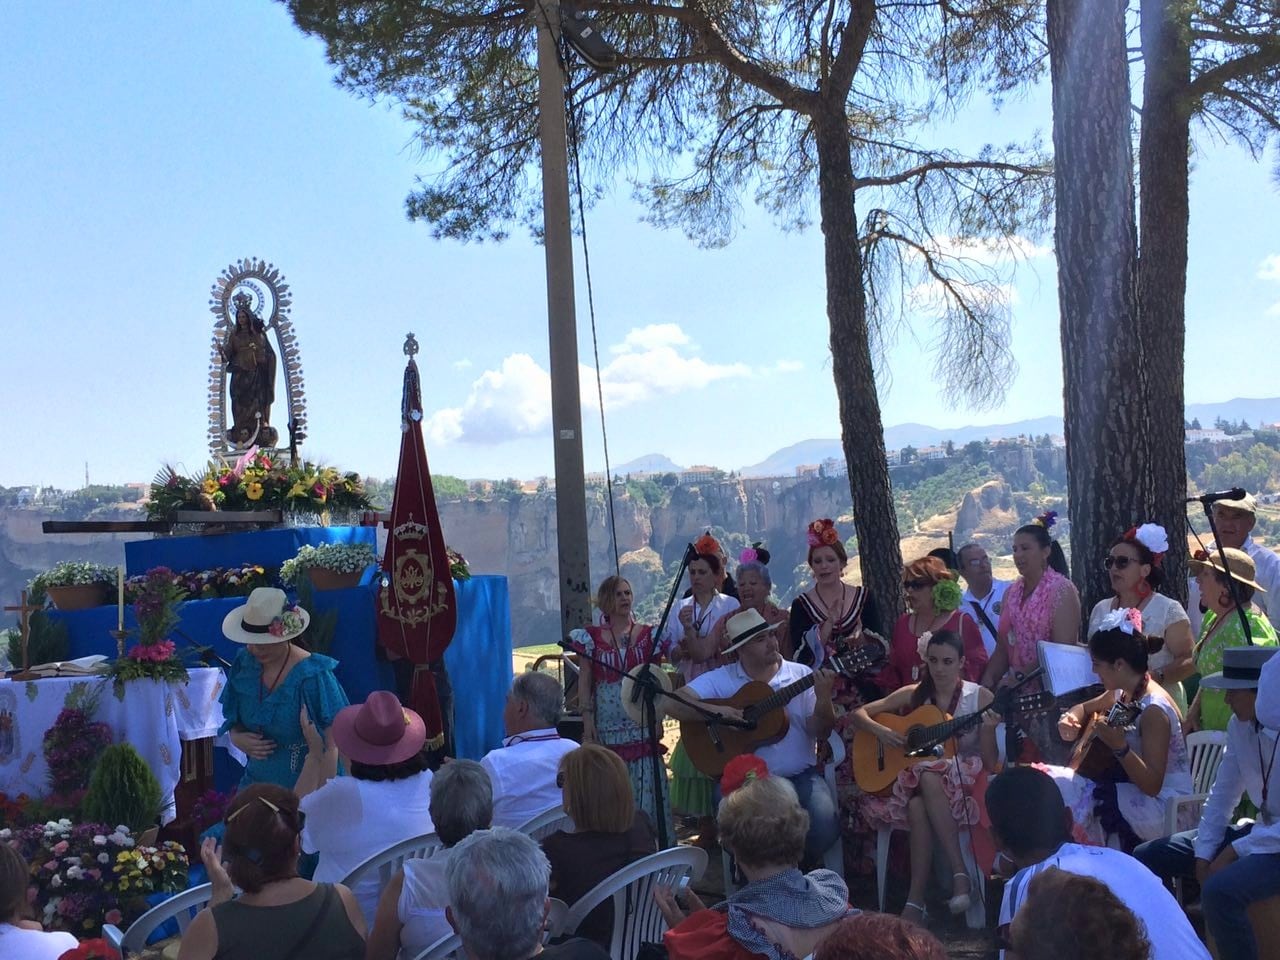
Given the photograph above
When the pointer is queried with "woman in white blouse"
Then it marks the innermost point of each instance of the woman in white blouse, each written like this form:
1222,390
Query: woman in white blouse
22,939
1135,565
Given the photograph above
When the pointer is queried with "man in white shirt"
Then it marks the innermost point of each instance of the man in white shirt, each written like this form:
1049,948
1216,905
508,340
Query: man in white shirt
1031,826
810,714
1235,520
984,594
1235,865
524,768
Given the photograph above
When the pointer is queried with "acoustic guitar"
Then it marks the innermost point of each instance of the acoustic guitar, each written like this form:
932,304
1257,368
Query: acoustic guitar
1092,758
709,748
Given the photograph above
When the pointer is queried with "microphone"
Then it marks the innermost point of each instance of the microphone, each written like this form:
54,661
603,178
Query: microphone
1235,493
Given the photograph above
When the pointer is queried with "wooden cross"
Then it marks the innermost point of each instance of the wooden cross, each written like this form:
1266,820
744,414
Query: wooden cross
24,611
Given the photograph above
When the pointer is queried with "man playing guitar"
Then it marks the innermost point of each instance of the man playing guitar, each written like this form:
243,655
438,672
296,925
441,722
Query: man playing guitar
811,717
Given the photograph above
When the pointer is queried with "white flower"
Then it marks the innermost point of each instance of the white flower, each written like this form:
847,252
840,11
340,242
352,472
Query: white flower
104,858
1119,619
55,881
99,840
6,833
1153,537
74,873
923,643
122,829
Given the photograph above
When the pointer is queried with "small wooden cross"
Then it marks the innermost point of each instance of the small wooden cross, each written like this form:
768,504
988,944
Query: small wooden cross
24,611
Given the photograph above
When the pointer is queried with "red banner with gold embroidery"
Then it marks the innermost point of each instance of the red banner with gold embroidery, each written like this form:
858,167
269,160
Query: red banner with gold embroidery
417,610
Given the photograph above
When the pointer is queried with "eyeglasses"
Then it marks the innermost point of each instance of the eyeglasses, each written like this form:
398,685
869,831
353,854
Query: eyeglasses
560,780
1118,562
977,561
917,584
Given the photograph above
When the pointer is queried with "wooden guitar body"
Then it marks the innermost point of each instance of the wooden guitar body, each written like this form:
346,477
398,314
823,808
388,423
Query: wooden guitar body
1092,758
875,765
770,728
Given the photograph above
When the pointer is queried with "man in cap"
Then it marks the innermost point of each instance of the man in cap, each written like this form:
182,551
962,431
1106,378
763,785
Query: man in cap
811,715
1235,520
1235,865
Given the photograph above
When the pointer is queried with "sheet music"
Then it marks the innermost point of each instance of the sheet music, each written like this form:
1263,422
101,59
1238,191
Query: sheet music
1067,667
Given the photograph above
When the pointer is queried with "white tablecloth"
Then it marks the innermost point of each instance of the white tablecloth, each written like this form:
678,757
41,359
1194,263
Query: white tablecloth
154,717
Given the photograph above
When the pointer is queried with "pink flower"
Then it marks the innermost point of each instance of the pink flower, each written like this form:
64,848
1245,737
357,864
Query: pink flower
51,866
60,848
277,628
113,916
748,555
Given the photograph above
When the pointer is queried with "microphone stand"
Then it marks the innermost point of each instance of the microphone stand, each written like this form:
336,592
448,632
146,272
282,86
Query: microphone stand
1232,588
651,689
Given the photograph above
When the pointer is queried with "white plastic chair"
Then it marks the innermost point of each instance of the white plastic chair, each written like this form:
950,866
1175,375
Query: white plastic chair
181,908
447,946
1204,753
636,917
833,859
386,862
546,823
975,917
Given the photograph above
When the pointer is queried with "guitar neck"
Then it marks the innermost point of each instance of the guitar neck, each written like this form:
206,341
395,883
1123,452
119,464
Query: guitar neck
940,732
784,695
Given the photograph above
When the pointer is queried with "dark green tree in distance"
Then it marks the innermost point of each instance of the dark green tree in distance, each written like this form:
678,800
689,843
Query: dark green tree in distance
786,104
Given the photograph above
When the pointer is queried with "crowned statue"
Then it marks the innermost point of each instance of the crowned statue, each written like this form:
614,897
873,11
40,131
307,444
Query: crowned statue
251,367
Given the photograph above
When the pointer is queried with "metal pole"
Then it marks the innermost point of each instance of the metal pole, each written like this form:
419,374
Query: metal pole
566,403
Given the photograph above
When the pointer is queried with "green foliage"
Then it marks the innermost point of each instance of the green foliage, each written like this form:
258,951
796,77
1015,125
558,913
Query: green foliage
508,489
1256,469
647,491
69,573
446,487
339,557
123,790
47,642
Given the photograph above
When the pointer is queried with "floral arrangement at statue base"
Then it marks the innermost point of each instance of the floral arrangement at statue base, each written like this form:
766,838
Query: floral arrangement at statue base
74,743
88,874
209,584
157,605
256,482
72,585
347,561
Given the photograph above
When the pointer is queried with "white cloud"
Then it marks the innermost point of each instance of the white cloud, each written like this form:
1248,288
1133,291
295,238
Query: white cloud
788,366
515,400
462,364
931,295
1269,269
990,252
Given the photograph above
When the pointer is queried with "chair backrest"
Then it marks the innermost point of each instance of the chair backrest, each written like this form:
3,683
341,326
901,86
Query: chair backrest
442,949
557,912
181,909
386,862
1204,753
636,917
546,823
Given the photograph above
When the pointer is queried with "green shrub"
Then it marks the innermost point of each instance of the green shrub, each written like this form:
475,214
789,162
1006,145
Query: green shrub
123,790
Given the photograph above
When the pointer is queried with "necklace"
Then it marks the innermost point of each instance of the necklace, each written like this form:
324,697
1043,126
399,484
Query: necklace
826,607
279,673
698,621
1266,776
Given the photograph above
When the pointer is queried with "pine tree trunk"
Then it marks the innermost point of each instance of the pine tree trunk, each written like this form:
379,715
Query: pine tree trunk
861,428
1163,217
1095,236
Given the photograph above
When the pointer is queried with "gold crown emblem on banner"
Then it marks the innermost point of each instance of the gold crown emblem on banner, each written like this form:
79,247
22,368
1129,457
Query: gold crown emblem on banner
411,530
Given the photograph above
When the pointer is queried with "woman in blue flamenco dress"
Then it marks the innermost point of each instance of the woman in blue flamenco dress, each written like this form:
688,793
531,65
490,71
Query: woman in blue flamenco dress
273,687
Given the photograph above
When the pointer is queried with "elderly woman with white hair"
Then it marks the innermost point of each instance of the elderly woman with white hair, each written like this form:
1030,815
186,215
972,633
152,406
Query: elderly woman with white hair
755,587
497,885
411,911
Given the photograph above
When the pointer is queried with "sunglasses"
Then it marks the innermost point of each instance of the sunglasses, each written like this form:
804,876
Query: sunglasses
917,584
1118,562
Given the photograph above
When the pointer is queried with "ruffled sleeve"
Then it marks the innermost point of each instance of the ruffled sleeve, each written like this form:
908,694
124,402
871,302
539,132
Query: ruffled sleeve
583,641
320,690
242,679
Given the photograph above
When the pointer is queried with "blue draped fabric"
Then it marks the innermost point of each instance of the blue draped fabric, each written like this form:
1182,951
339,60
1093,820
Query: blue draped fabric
267,547
478,659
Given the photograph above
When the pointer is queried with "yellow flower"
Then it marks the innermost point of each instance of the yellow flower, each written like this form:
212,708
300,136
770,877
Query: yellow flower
124,883
210,486
253,490
299,489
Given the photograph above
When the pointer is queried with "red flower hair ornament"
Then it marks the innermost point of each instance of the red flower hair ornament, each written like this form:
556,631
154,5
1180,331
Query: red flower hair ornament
707,545
741,769
822,533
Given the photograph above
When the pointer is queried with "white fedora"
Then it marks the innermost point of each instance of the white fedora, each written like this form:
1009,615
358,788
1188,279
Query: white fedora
744,627
632,705
265,618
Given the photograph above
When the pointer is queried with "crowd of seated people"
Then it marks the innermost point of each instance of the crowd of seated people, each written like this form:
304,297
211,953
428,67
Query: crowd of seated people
1083,853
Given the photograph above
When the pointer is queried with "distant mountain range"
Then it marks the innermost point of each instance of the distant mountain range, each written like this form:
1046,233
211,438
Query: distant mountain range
901,435
648,463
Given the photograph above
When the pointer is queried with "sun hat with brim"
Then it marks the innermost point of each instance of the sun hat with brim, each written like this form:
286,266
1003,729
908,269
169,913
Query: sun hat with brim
744,627
265,618
1246,505
1239,568
379,732
633,704
1241,668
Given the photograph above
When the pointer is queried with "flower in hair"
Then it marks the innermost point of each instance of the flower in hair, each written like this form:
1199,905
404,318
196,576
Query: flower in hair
923,643
1125,619
707,545
740,770
1153,537
748,555
947,595
289,621
1047,519
822,533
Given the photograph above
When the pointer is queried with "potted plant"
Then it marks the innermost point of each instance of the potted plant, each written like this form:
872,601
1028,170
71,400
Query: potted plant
329,566
72,585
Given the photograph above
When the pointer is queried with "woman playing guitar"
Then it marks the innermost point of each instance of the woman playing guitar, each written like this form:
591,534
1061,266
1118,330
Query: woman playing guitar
1150,755
934,797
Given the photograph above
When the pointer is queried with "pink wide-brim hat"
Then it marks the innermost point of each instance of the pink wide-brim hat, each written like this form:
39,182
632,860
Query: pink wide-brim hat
379,732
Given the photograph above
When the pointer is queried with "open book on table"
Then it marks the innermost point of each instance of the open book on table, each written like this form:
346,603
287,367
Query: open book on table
83,667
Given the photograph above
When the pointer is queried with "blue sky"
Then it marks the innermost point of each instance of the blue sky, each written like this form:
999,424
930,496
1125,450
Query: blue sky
148,145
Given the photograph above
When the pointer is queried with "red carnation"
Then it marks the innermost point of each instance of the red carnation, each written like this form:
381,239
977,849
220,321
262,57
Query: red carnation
741,769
